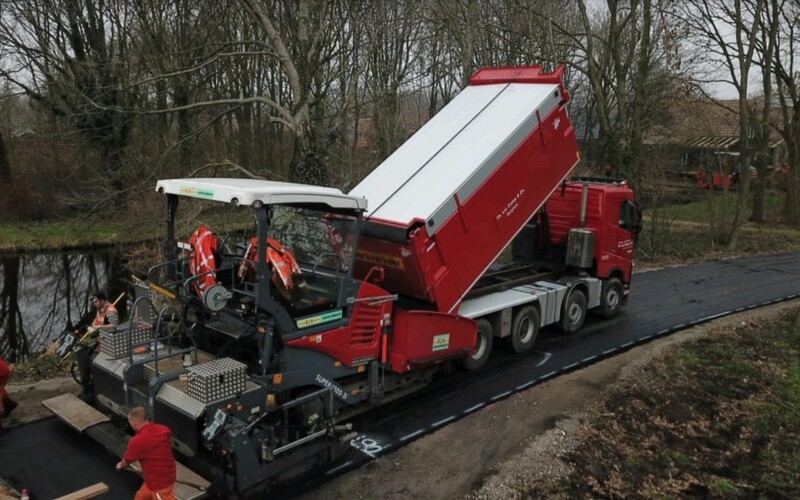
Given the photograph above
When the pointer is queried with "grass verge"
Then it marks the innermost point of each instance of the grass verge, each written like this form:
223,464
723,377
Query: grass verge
682,241
725,202
71,234
718,418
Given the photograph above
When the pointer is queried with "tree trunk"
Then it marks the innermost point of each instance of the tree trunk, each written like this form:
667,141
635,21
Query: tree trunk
185,128
744,173
14,345
791,206
245,134
114,158
5,165
308,162
759,187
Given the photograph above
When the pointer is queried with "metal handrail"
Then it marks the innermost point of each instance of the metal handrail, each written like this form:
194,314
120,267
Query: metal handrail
159,323
130,324
152,269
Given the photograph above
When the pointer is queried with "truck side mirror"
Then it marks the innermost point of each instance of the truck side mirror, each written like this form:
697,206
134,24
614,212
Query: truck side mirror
375,275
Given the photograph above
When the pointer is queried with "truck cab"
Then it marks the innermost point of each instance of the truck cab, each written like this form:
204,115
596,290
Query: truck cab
610,212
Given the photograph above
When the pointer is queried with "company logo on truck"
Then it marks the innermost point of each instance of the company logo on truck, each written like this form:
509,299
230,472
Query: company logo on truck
441,342
197,193
381,259
625,245
511,206
319,319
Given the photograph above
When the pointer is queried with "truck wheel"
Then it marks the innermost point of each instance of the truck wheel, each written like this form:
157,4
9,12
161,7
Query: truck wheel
574,313
483,347
524,330
611,298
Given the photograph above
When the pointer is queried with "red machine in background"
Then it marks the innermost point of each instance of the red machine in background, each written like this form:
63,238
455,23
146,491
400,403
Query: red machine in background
717,180
723,171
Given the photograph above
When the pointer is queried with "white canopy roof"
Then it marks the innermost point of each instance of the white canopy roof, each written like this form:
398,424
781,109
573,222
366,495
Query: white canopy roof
247,191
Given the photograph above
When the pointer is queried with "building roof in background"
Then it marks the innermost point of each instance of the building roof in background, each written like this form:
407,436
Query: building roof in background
705,124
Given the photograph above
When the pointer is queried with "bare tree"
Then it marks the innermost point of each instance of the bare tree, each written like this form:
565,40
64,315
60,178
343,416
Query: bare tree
788,91
73,58
461,22
546,33
348,91
5,164
14,343
438,64
392,42
766,47
620,59
299,32
176,40
728,32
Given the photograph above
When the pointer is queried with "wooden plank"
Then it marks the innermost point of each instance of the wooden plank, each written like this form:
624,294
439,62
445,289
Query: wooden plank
88,492
79,415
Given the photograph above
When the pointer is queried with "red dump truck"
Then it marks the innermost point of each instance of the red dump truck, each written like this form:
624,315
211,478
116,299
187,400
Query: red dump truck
256,345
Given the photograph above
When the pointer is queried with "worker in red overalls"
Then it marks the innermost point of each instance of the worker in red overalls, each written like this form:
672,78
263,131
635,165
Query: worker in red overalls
7,404
152,448
107,314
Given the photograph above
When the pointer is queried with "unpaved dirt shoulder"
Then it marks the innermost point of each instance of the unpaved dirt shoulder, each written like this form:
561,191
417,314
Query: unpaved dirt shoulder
493,453
29,396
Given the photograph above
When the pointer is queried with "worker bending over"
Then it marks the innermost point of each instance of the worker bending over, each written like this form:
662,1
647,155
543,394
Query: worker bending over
152,448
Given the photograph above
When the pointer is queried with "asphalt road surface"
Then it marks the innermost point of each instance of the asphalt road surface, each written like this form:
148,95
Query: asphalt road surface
50,459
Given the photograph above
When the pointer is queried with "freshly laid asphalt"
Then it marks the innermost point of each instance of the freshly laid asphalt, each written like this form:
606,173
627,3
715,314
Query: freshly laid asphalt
50,459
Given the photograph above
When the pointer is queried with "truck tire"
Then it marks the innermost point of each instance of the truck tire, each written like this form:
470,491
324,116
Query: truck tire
524,330
574,313
483,347
611,298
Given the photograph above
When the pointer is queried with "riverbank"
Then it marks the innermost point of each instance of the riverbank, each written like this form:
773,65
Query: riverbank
73,234
679,233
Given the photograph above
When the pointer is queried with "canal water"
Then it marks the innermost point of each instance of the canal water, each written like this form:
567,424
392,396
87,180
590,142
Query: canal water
41,293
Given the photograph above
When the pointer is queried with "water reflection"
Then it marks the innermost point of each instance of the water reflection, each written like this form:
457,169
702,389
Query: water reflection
41,293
